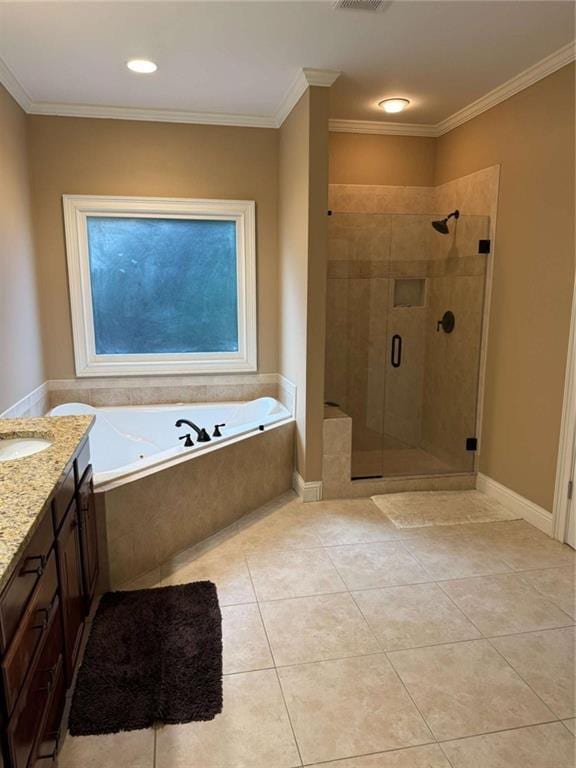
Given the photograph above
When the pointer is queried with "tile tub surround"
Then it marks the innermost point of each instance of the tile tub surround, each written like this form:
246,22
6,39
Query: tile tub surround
32,405
26,484
155,517
341,697
158,390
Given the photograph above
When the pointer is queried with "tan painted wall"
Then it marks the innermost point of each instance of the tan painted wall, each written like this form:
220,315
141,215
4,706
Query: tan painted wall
293,169
21,368
303,183
317,279
118,157
532,136
359,158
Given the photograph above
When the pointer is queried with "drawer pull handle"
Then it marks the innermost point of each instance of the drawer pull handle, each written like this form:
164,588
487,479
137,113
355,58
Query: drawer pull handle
51,755
38,570
51,678
44,624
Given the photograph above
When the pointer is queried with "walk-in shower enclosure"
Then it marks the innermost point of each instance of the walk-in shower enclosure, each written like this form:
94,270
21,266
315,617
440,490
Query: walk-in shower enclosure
405,308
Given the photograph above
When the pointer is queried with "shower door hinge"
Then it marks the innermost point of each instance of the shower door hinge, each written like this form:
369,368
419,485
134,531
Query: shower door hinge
570,488
483,246
471,443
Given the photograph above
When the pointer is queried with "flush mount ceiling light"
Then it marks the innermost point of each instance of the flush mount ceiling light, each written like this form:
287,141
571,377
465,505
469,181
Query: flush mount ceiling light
142,66
393,105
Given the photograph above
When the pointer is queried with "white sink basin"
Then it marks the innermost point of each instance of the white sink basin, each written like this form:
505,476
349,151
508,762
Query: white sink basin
20,447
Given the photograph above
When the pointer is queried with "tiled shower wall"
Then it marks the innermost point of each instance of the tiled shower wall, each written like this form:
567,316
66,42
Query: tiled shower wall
430,401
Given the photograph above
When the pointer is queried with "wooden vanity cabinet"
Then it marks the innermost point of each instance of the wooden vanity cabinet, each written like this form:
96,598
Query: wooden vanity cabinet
43,609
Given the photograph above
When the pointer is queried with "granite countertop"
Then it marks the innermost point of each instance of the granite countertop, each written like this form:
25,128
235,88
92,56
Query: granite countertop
27,483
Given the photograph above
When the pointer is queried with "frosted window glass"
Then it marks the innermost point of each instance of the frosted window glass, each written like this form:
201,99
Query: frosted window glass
163,285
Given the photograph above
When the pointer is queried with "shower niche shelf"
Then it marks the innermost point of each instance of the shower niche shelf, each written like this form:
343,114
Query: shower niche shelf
409,292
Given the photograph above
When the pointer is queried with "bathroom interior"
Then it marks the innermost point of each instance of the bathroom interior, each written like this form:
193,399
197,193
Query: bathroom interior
287,384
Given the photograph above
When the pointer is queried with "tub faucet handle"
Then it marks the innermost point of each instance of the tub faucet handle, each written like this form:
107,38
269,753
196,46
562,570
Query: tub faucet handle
187,440
217,432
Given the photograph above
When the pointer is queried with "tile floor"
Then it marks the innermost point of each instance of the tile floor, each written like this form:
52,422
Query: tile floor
349,643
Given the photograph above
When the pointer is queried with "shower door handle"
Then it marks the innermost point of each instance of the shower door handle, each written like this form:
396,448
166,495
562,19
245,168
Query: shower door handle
396,356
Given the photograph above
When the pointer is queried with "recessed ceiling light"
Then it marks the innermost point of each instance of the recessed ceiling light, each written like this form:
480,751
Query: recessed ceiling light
393,105
142,66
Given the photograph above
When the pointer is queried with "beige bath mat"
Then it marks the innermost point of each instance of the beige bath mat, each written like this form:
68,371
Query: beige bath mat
416,510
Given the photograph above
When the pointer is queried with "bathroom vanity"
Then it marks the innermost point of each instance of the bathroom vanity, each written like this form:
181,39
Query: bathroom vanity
46,588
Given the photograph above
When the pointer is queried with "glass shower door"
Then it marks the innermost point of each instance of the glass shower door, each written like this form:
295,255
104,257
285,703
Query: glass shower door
409,381
357,336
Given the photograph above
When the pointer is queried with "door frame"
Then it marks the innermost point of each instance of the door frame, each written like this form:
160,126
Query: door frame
567,444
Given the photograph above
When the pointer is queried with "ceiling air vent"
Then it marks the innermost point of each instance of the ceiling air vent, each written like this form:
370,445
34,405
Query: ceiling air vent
361,5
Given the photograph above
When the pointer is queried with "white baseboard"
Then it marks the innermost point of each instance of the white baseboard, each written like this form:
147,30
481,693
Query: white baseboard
519,505
307,491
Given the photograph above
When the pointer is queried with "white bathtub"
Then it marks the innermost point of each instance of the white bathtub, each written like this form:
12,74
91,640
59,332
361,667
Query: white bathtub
129,442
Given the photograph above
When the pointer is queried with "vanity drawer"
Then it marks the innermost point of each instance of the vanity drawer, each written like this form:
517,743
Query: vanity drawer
30,633
14,598
32,710
63,498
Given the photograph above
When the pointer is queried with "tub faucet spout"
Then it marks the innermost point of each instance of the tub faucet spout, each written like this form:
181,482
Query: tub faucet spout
202,435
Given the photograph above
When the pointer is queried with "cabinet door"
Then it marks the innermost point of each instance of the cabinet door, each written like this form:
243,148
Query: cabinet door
71,587
88,535
34,703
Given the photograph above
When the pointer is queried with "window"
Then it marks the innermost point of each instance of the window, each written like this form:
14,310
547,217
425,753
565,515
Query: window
161,286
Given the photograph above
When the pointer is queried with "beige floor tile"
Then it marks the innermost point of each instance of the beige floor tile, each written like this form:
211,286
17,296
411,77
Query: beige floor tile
229,573
376,565
503,531
530,552
244,639
253,730
504,604
545,660
466,689
430,756
316,628
412,616
132,749
285,528
454,557
571,724
556,584
278,575
351,521
350,707
541,746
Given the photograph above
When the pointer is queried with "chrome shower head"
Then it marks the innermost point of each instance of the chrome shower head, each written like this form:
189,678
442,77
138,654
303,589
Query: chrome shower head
442,225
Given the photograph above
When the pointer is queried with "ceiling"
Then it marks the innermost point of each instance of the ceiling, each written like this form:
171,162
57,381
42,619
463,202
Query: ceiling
240,58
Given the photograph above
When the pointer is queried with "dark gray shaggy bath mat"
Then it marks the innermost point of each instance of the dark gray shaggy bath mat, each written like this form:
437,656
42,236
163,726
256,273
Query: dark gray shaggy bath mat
153,656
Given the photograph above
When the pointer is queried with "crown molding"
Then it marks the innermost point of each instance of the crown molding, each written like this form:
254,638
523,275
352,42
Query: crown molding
305,78
382,128
540,70
14,88
525,79
153,115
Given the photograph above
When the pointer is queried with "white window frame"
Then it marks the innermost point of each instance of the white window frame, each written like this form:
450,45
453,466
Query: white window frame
77,208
